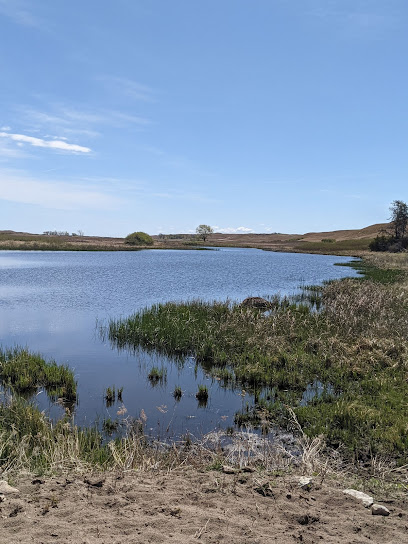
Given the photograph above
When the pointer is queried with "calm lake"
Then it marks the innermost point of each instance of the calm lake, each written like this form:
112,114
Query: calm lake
52,303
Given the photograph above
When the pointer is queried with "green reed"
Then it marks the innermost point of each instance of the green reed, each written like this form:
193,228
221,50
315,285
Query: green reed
24,372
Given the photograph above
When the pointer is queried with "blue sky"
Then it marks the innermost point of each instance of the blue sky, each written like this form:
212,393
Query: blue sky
159,115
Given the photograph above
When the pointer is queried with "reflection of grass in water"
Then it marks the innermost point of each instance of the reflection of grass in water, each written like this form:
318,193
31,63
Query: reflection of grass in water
111,393
202,395
157,375
24,372
177,393
357,342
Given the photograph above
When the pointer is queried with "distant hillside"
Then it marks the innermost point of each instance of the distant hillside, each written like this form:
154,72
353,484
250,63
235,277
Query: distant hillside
347,242
368,232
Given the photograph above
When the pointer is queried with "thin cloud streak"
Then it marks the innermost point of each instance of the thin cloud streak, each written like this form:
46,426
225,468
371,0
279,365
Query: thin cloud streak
51,144
54,195
67,120
128,87
18,12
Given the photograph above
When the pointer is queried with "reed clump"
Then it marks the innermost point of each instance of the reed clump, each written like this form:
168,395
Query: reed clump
157,375
24,372
202,394
178,392
355,345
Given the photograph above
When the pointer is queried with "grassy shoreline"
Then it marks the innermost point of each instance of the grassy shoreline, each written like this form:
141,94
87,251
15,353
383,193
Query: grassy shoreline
354,348
355,345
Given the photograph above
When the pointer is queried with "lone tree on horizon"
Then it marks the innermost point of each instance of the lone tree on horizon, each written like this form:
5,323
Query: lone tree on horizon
399,217
203,231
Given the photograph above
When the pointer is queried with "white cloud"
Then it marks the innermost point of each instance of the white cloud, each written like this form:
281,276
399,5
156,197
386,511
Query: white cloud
232,230
39,142
55,195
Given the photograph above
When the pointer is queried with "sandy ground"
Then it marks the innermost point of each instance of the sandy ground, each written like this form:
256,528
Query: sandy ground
190,505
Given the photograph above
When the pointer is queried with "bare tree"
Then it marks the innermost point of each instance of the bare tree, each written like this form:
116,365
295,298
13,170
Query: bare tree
399,218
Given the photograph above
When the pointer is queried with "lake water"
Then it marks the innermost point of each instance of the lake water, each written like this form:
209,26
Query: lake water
51,303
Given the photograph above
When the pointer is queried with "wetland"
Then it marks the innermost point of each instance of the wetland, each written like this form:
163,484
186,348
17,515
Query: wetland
56,304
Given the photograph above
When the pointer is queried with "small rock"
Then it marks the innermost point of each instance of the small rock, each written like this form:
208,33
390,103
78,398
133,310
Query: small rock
256,302
248,469
38,481
305,482
95,481
360,496
306,519
2,497
265,489
379,510
16,510
6,489
228,470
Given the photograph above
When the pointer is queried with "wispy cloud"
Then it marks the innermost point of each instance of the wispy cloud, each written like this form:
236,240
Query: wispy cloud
8,150
18,11
17,187
232,230
128,87
368,19
67,120
51,144
194,197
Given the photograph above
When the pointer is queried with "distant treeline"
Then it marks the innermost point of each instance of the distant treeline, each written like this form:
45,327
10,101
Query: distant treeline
62,233
389,243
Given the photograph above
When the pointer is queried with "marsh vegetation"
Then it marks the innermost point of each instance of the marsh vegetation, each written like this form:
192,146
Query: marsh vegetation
25,372
355,346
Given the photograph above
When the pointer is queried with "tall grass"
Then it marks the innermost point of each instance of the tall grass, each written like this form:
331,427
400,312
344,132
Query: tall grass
24,372
356,345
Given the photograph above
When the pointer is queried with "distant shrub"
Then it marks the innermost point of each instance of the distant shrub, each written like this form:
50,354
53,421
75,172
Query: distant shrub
328,240
139,239
389,243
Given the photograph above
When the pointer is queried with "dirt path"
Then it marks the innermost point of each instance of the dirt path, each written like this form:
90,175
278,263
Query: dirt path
189,505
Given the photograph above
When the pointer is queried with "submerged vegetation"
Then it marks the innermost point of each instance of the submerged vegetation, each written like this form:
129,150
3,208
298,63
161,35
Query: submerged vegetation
355,346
